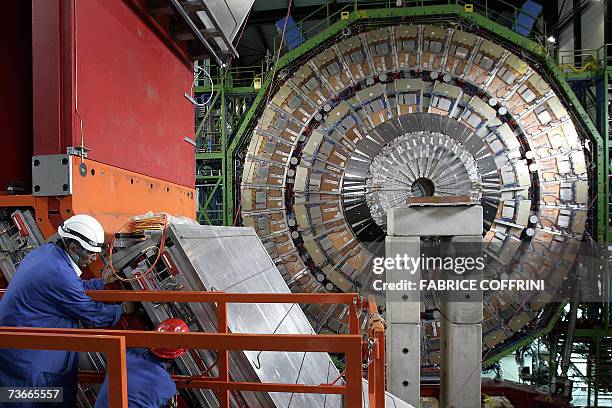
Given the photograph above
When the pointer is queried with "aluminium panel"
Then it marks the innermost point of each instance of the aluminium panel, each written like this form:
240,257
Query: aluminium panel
233,259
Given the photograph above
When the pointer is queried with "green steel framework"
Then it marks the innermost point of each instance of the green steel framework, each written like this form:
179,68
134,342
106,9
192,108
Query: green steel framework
229,95
597,338
359,11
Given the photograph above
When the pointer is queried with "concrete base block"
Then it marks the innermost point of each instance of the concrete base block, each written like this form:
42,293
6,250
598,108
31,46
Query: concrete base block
435,221
465,307
403,352
460,369
403,306
462,312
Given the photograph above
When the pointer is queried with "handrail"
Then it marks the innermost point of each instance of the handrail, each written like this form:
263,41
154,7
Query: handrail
480,7
592,58
224,297
78,340
222,341
328,21
377,368
236,76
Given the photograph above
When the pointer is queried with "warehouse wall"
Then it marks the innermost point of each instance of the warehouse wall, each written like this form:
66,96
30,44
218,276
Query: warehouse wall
591,26
566,37
118,89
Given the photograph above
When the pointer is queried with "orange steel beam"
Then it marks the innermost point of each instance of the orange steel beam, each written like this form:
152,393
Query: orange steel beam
183,381
113,346
40,205
336,343
263,387
353,374
110,194
221,297
350,345
223,356
216,297
377,372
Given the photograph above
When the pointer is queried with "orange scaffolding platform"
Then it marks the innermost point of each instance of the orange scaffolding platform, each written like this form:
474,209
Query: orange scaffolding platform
362,352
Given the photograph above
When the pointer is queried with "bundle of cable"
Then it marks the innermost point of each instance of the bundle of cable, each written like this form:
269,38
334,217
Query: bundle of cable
147,222
138,225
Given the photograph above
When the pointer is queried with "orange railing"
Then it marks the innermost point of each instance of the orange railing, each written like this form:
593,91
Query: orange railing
376,358
78,340
222,341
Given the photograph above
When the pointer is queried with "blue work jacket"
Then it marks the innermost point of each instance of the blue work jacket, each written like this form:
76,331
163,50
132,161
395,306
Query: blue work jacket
47,292
149,384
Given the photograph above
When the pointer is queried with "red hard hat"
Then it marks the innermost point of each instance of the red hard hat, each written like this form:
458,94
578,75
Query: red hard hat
175,326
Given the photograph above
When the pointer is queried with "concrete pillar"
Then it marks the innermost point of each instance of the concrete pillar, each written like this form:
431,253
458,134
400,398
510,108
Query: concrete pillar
403,316
461,342
461,345
460,369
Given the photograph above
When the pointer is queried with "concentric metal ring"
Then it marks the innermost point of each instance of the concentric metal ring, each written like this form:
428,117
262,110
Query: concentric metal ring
324,159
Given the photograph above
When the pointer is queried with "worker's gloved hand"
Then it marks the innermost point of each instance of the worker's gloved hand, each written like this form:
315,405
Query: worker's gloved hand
375,319
108,275
128,307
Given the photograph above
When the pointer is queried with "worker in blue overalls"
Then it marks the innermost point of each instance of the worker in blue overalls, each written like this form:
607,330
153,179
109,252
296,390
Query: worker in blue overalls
47,291
148,382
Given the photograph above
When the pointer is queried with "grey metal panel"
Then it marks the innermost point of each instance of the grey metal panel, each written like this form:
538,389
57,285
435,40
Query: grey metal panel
388,130
229,14
368,147
406,311
233,259
357,168
52,175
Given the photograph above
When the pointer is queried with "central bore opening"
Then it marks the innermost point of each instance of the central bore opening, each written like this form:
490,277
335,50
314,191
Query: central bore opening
423,187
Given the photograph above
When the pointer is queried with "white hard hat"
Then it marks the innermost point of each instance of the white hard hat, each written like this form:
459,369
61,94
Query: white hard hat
85,229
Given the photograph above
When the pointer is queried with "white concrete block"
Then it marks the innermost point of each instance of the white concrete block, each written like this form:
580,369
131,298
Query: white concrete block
403,352
456,307
461,365
435,221
403,306
462,312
